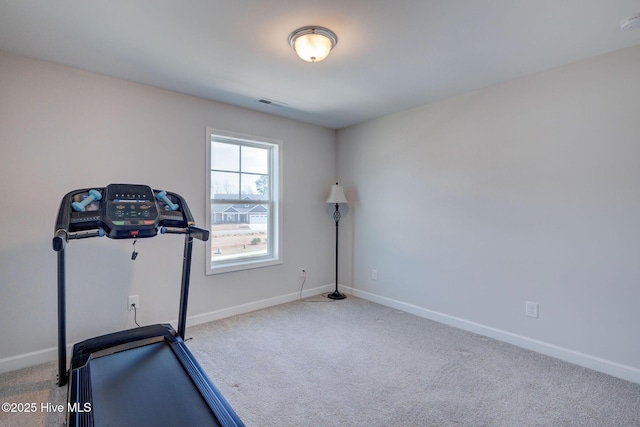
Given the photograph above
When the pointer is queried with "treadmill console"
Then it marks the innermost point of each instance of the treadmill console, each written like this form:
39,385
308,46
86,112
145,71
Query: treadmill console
129,211
122,211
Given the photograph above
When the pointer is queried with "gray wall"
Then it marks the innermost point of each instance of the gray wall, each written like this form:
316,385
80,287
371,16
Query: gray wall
466,207
63,129
524,191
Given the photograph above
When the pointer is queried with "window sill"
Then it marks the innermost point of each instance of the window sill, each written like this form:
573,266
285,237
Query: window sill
241,265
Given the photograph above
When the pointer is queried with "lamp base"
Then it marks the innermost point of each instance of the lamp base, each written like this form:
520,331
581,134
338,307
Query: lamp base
336,295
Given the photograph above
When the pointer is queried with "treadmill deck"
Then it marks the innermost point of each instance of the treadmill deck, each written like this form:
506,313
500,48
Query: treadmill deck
140,387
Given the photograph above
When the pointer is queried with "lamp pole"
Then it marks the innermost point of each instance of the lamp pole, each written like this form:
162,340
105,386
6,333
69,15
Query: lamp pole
336,217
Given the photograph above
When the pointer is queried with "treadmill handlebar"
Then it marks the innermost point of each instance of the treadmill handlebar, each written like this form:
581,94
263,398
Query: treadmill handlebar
199,233
59,240
61,237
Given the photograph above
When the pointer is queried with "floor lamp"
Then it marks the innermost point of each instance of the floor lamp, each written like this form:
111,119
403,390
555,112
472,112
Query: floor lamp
336,197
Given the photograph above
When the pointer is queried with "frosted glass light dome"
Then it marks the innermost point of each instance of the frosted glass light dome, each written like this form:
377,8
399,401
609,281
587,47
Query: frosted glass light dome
312,44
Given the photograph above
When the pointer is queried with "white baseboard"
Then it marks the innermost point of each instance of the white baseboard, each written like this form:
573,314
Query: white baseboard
49,354
28,359
581,359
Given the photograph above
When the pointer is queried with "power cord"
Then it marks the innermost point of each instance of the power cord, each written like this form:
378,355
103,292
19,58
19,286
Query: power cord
304,275
135,315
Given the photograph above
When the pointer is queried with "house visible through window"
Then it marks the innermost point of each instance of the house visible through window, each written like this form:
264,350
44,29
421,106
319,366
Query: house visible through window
243,201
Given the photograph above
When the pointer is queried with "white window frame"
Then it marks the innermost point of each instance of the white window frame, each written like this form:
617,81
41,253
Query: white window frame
275,202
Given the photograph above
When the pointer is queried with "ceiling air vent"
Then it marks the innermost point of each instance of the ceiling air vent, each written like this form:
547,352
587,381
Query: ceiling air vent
271,102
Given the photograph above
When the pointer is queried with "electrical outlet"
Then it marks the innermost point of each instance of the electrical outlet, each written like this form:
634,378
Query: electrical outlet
133,300
531,309
374,274
303,272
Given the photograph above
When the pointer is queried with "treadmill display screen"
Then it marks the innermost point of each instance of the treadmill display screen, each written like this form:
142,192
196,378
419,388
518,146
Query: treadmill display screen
130,211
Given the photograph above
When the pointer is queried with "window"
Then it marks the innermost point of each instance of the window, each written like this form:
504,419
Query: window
243,202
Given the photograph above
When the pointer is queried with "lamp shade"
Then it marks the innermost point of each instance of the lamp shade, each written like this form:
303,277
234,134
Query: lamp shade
337,195
312,44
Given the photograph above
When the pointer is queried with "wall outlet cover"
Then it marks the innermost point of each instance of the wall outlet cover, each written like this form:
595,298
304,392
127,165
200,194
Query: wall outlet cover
531,309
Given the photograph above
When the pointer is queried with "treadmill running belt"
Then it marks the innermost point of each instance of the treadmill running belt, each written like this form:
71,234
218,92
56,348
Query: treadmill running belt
146,386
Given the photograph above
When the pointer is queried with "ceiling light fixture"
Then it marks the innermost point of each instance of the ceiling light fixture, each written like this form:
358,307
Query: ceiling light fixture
631,22
313,43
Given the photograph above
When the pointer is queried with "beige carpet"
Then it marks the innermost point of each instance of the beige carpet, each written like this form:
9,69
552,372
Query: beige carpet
356,363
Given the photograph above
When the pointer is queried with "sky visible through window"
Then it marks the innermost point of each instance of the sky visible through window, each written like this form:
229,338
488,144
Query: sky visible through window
237,170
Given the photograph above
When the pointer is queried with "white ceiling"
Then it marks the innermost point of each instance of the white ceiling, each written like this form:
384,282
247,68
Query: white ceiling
391,55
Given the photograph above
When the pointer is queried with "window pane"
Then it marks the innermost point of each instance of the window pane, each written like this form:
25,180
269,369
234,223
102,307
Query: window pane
225,184
255,160
225,156
239,231
255,186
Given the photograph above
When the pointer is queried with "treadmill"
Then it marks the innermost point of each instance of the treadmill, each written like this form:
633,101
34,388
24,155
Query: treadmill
144,376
